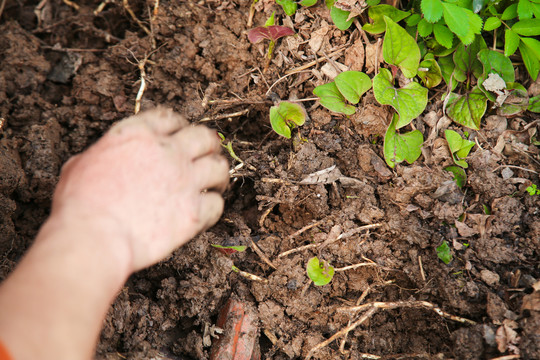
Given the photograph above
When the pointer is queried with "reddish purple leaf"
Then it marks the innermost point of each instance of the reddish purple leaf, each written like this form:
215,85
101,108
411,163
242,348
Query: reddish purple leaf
273,33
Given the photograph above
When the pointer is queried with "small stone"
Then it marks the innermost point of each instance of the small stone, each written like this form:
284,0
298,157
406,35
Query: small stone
507,173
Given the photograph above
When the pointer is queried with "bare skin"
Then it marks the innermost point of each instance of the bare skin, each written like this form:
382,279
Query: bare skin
147,187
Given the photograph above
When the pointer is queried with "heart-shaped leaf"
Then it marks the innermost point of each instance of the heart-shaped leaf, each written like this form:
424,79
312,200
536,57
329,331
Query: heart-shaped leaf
272,33
466,59
467,109
320,272
459,148
460,177
378,12
516,102
400,49
339,17
352,85
409,101
430,73
286,116
399,147
332,99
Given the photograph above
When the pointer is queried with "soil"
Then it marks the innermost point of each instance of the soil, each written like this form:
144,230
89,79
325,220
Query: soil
67,74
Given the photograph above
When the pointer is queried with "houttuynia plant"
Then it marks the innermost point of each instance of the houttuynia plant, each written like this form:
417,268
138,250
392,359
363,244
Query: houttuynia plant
320,272
272,33
349,85
285,116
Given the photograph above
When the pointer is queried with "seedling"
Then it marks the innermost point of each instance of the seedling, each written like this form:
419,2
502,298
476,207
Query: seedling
320,272
533,190
459,147
285,116
228,250
349,85
272,33
290,6
444,253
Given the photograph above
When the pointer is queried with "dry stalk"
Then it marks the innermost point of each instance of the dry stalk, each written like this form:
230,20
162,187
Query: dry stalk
71,4
134,17
261,254
225,116
249,276
314,62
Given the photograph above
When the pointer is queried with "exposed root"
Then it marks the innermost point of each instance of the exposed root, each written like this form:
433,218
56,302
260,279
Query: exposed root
225,116
261,254
372,309
134,17
249,276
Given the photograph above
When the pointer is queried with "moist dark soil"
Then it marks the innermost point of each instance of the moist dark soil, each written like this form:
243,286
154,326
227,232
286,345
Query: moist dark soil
68,72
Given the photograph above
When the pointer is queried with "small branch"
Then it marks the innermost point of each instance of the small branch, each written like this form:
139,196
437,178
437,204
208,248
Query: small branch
411,304
71,4
249,276
421,268
313,63
261,254
305,228
356,266
514,167
342,332
224,116
132,14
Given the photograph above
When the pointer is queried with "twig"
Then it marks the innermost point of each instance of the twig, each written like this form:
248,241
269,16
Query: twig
2,4
284,77
248,276
342,332
514,167
68,50
261,254
132,14
313,63
224,116
305,228
412,304
355,266
421,268
266,213
238,101
72,4
358,302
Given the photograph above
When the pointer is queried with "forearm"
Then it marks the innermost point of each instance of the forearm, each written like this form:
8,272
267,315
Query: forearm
54,303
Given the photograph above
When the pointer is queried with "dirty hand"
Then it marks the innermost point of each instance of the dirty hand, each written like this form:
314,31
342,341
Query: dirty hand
152,182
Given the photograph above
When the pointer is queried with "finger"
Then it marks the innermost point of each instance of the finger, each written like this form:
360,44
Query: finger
196,141
210,209
161,121
212,172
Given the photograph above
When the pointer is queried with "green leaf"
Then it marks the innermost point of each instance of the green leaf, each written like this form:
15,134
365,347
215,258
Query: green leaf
524,9
466,59
378,12
492,23
496,62
400,49
432,10
271,20
516,102
352,85
413,20
409,101
329,3
467,109
462,22
460,177
286,116
511,42
332,99
425,28
447,66
443,35
510,12
530,27
534,104
530,57
289,6
400,147
238,248
459,148
339,17
444,253
432,77
320,272
308,3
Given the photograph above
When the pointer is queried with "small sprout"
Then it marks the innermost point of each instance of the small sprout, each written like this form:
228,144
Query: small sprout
271,20
320,272
459,147
533,190
487,210
285,116
444,253
272,33
228,250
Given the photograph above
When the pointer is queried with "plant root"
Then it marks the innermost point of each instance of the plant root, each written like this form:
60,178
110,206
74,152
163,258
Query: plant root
249,276
261,254
225,116
372,309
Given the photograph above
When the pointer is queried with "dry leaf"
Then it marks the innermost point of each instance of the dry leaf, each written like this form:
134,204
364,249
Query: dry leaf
373,51
317,38
465,230
332,69
507,338
325,176
354,56
355,7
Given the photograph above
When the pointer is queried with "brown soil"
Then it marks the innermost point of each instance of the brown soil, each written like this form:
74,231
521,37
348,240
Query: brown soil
66,75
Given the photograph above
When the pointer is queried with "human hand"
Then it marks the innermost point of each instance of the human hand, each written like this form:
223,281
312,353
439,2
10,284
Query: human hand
152,182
